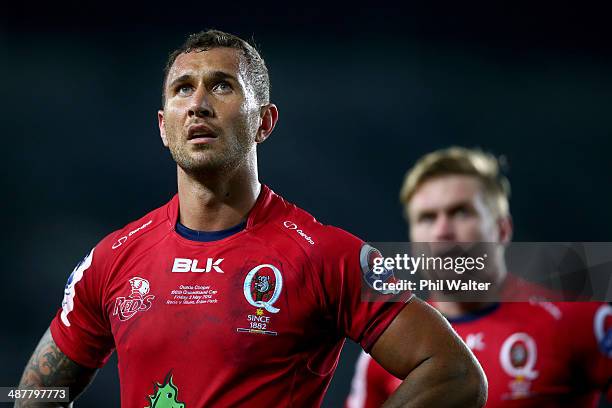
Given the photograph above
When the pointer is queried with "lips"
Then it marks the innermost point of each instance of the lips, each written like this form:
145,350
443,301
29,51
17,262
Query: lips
200,132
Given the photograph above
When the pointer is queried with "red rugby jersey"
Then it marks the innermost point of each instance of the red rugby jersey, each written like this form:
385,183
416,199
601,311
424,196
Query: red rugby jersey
256,319
534,355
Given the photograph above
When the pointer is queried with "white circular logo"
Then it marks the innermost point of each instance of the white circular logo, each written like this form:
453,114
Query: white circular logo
518,356
265,287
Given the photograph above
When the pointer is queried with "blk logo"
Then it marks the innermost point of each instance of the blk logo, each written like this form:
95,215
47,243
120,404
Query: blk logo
191,265
475,341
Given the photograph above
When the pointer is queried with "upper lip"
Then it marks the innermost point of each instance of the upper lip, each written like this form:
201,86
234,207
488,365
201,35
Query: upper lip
199,130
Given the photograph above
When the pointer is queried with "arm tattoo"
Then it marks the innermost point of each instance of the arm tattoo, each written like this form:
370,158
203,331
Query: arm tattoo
49,367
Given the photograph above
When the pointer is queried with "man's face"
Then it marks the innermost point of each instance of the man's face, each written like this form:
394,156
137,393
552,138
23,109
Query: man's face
211,117
451,209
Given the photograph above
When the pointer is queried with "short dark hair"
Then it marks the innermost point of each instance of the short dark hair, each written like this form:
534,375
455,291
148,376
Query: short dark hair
257,72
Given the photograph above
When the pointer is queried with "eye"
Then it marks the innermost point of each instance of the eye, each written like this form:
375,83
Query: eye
184,90
222,87
462,212
426,218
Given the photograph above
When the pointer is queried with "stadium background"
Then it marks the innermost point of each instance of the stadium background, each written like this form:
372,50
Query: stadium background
362,93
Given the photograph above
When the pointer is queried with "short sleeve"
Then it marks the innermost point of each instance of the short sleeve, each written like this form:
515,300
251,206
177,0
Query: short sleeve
80,328
360,317
591,327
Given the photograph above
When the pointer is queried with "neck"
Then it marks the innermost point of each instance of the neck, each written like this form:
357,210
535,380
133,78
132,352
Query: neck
452,309
216,203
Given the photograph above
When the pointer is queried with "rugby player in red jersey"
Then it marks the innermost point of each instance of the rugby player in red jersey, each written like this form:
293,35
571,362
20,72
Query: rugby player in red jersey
534,354
229,295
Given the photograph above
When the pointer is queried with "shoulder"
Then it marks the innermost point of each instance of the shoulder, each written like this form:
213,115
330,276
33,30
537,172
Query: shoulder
589,317
578,319
312,236
141,233
589,325
531,314
579,311
582,307
518,289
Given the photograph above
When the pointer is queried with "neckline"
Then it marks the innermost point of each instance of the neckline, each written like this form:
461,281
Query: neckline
478,314
262,200
208,236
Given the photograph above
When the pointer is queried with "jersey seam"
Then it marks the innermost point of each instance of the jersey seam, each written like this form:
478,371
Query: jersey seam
320,288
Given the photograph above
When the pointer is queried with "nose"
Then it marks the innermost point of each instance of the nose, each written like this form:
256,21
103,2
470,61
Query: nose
201,106
444,229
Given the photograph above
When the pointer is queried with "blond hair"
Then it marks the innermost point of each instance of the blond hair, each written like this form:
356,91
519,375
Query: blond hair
461,161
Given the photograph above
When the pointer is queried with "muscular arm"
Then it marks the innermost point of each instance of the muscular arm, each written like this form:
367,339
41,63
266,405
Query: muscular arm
49,367
438,369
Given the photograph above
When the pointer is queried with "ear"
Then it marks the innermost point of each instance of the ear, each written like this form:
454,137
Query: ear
505,227
269,117
162,127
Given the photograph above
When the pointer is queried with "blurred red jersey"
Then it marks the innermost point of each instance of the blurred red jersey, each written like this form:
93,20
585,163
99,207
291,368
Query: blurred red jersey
535,354
256,319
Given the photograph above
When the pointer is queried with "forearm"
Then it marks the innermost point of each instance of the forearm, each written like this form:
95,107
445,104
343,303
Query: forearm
441,382
438,368
49,367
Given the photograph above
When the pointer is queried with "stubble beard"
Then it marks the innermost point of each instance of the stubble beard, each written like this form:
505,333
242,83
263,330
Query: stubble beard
206,160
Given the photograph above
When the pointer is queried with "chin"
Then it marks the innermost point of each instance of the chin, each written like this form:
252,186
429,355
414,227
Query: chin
198,167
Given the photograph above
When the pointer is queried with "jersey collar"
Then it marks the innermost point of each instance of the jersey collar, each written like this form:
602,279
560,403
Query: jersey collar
257,214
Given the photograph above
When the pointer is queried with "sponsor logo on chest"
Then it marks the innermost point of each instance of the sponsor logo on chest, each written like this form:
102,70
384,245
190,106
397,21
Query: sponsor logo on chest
475,341
292,226
124,238
191,265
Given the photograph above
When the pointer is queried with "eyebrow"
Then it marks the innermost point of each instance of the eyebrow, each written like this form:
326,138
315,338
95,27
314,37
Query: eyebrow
462,205
215,75
448,209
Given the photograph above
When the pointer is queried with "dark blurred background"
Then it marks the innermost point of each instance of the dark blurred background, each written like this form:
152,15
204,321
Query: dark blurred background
362,93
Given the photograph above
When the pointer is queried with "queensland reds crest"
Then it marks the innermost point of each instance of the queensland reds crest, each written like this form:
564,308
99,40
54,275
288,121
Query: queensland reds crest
262,287
518,357
139,300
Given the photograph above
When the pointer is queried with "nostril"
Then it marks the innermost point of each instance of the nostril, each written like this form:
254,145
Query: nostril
201,113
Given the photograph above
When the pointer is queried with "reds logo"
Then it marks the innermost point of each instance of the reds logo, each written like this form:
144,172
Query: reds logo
138,301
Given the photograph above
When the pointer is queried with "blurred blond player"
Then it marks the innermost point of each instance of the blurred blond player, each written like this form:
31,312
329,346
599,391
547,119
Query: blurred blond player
534,354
